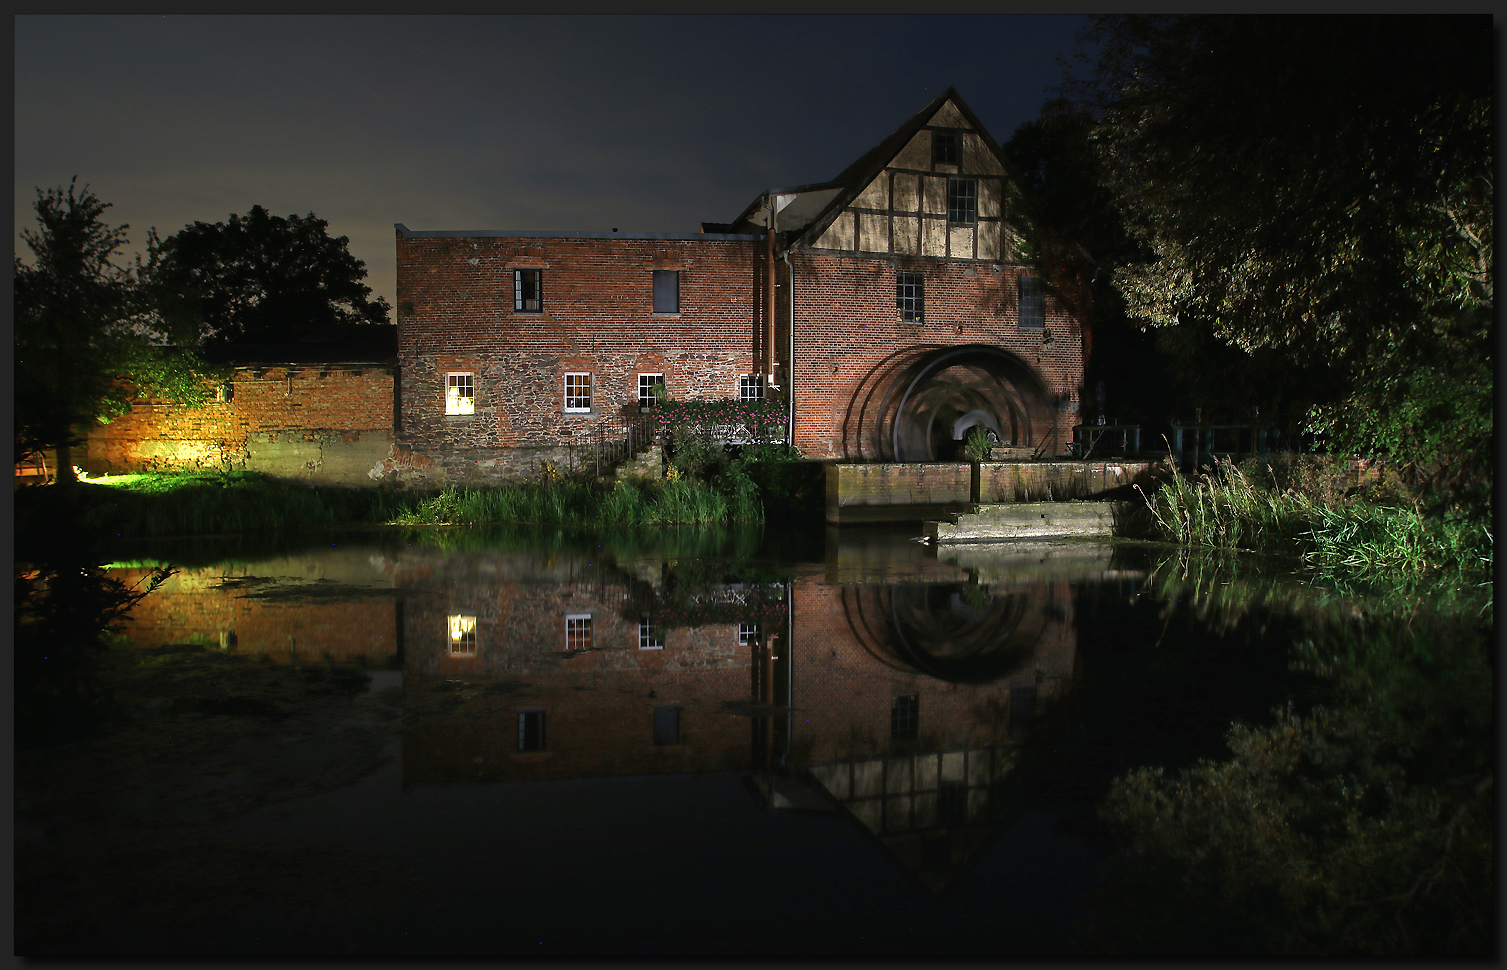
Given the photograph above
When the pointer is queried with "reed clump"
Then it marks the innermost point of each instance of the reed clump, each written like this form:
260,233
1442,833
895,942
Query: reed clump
662,502
1300,508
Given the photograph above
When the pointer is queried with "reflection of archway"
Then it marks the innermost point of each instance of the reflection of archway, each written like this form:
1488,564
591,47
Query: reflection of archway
919,404
956,632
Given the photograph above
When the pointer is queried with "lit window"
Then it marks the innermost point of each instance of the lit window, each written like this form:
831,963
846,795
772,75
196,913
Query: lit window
748,634
530,730
751,387
462,636
460,395
578,631
528,291
650,635
646,384
1032,310
944,148
578,392
666,291
962,201
905,717
909,293
666,725
225,392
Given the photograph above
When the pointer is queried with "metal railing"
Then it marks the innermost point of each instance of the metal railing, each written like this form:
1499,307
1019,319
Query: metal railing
611,446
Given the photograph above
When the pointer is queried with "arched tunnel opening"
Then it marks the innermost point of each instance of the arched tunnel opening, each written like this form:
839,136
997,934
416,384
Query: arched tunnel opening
922,406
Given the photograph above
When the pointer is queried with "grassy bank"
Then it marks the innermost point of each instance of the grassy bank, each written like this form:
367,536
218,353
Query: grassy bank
208,503
1294,505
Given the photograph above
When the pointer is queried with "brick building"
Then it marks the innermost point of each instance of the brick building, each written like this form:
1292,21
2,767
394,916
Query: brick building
889,311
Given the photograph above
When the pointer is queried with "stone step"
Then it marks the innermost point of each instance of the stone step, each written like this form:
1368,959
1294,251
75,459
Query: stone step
1025,520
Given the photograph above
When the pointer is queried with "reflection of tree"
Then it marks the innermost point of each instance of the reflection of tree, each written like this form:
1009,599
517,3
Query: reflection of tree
1361,827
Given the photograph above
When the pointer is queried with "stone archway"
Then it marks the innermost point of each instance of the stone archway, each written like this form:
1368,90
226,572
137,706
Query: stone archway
920,405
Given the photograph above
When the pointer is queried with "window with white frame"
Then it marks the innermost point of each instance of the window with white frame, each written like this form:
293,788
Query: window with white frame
578,392
528,291
460,394
578,631
646,385
748,634
650,635
462,636
751,387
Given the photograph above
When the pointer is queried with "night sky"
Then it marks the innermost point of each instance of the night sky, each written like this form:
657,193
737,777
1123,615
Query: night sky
646,124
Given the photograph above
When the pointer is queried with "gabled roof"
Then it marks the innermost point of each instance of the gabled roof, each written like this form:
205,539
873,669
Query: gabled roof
857,176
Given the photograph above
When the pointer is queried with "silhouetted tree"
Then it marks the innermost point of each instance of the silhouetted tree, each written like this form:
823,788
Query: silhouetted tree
86,343
261,278
1321,186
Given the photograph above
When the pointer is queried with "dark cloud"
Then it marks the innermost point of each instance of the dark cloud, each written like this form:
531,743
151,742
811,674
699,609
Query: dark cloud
650,124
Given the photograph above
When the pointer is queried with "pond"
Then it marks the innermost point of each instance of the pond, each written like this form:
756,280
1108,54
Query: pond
698,742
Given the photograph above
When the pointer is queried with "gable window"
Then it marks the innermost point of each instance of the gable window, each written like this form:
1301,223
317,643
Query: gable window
460,394
748,634
646,385
962,201
905,717
909,290
528,291
578,631
751,387
1032,306
650,635
944,148
530,730
462,636
578,392
666,725
666,291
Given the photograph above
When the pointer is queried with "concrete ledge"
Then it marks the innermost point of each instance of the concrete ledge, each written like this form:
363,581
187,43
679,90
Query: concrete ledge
1026,520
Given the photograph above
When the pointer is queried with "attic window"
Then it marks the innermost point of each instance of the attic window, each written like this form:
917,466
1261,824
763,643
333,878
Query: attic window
944,148
962,201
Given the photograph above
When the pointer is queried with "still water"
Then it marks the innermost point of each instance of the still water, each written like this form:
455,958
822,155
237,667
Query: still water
693,742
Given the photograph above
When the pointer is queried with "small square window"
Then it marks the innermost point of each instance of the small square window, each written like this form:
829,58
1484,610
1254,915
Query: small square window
944,148
528,291
962,201
905,717
578,631
651,636
751,387
647,397
462,636
748,634
1032,308
530,730
909,294
460,394
578,392
666,725
225,392
666,291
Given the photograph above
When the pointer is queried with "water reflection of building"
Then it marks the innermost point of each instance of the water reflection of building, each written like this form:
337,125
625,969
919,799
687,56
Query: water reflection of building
339,606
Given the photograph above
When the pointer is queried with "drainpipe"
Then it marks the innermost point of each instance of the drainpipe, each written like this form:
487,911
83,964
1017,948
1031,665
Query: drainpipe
790,358
769,314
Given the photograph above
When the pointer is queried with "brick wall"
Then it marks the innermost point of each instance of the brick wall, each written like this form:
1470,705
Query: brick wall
456,314
847,331
321,423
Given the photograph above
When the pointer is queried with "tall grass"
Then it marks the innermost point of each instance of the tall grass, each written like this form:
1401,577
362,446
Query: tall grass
211,503
1231,509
